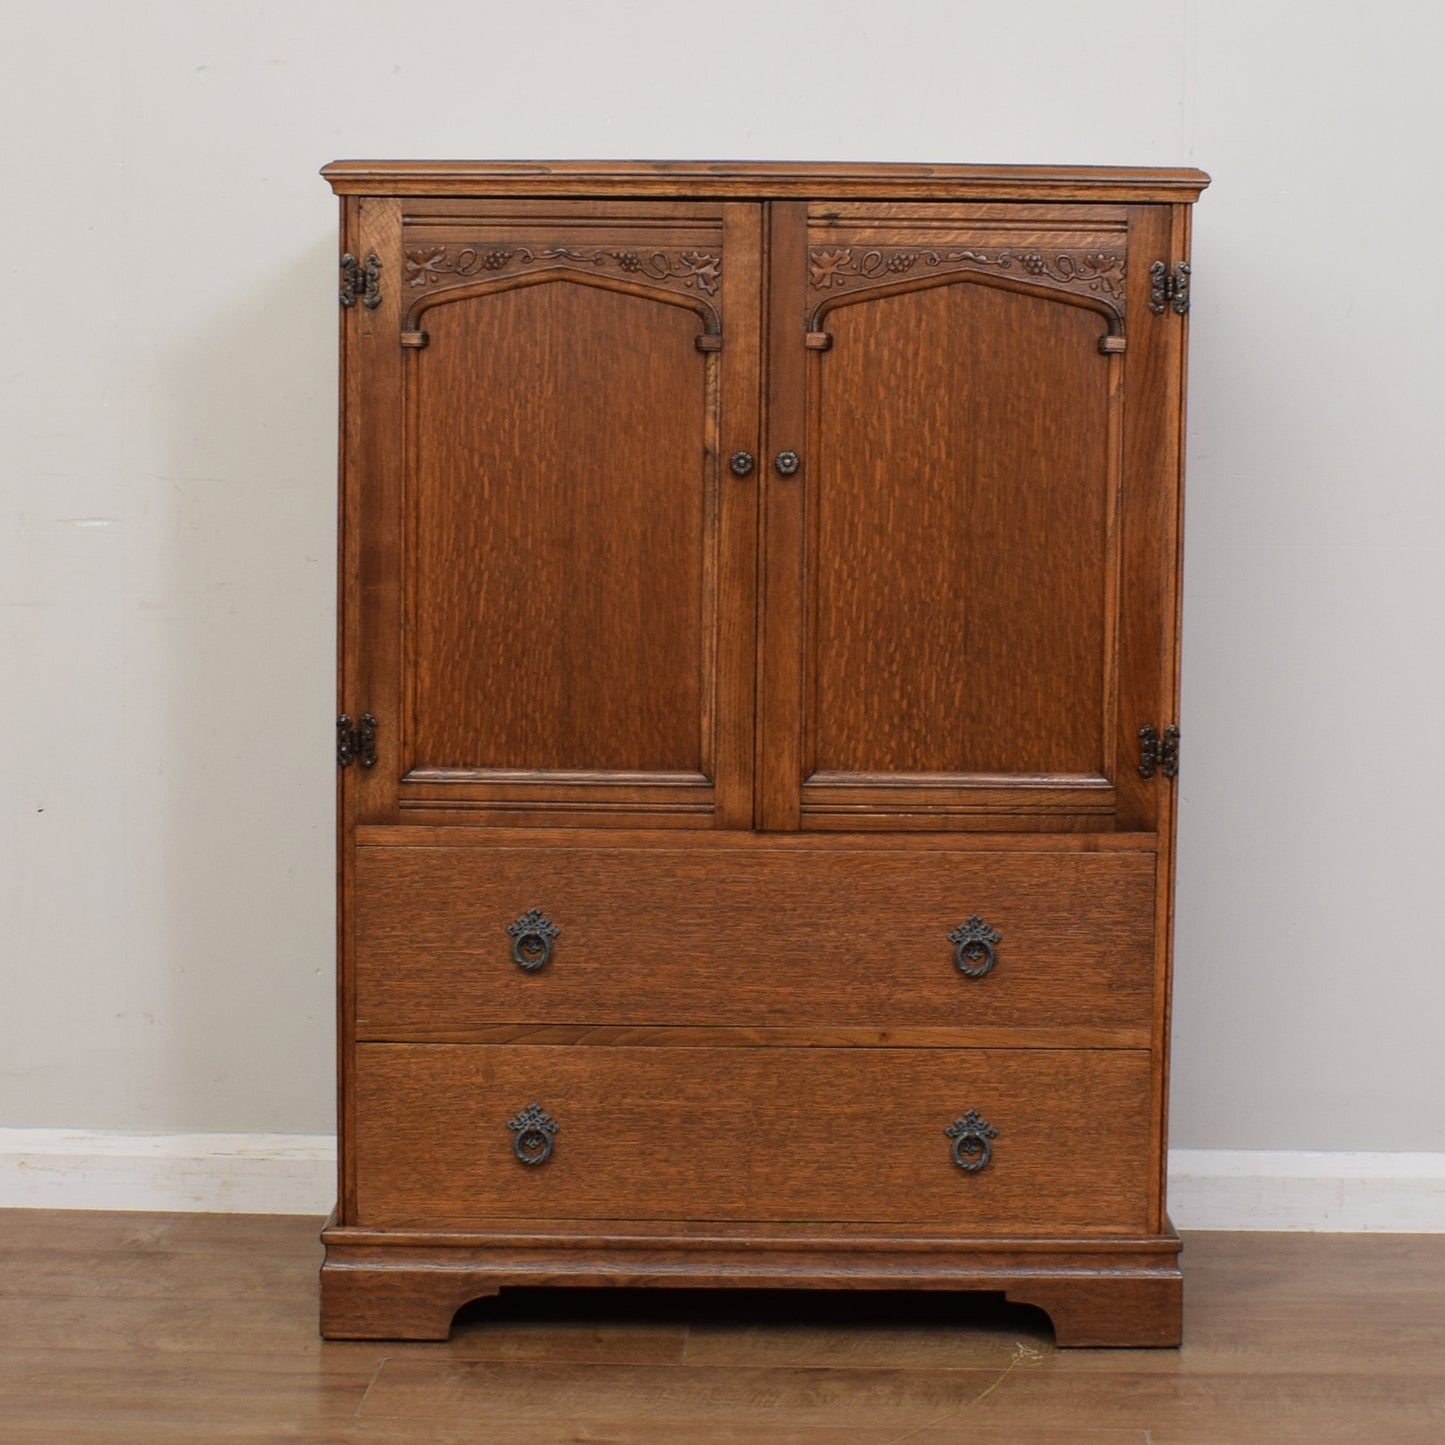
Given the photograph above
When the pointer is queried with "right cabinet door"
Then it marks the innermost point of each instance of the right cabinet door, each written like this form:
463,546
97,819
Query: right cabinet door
969,576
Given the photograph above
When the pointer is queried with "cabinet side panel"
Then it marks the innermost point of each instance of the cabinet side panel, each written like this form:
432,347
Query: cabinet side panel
1181,221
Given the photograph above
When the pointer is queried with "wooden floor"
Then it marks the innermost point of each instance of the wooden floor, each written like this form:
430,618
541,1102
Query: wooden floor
189,1328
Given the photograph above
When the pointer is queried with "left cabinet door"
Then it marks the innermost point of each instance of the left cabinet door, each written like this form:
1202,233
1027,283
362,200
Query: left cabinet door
549,565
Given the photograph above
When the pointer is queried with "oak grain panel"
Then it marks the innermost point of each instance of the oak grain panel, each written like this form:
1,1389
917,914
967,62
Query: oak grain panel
962,494
752,1134
561,496
751,939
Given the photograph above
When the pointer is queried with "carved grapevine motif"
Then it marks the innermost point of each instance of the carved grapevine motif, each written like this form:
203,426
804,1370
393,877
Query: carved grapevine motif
1100,272
694,269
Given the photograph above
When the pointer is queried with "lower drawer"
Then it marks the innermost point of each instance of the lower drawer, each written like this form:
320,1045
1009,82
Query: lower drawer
814,1135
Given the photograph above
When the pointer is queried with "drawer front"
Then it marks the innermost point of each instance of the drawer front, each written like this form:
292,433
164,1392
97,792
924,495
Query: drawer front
751,938
754,1134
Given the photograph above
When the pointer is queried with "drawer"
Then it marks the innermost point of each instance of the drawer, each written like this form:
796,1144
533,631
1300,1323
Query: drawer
752,937
763,1134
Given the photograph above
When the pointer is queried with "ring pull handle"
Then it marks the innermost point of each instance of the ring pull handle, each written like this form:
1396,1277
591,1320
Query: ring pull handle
532,936
972,1137
740,463
534,1129
974,946
787,463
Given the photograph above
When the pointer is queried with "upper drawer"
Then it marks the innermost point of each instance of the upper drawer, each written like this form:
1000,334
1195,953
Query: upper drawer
761,937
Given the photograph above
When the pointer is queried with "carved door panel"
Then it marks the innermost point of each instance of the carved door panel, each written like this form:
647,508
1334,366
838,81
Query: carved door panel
986,495
557,605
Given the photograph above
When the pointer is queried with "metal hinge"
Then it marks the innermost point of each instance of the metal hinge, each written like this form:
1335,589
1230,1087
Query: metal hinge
1156,752
356,742
361,281
1169,289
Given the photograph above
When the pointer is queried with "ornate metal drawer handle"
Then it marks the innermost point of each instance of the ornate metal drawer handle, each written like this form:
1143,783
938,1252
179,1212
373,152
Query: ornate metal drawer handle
971,1137
534,1128
740,463
532,936
974,946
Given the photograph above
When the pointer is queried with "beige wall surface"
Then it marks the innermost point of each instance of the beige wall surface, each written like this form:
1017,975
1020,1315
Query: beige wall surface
167,472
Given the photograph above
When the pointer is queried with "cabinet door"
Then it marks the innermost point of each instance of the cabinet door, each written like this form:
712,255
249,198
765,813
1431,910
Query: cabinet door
554,567
969,578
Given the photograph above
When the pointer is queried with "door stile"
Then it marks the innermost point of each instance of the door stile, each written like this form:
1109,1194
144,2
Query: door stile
374,463
783,548
734,592
1113,564
1149,524
366,598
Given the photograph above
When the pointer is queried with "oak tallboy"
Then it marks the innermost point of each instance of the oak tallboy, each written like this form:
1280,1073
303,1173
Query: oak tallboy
759,641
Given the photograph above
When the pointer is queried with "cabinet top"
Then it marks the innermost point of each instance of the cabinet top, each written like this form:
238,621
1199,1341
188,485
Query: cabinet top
763,180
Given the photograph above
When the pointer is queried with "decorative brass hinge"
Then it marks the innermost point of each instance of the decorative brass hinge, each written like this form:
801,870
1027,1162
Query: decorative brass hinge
1156,752
1169,289
361,281
356,743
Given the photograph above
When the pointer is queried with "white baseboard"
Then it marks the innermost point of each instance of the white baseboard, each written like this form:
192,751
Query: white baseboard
296,1174
1300,1189
211,1173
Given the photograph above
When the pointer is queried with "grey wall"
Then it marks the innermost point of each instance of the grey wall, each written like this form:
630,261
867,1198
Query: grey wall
167,419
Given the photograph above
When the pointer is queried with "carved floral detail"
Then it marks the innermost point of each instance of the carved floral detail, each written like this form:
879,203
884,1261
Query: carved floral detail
696,270
1100,272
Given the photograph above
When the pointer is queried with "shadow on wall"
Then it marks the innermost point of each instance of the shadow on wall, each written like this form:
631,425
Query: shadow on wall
244,602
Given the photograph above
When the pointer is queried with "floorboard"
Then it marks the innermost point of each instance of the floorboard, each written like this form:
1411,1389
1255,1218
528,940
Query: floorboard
155,1329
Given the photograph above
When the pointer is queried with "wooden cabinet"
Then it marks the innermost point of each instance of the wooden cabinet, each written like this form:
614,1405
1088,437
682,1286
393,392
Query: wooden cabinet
759,593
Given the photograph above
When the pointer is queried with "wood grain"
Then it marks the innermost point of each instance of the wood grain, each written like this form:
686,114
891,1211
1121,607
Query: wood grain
761,179
752,1134
561,497
757,742
1296,1338
961,495
390,1283
751,939
722,841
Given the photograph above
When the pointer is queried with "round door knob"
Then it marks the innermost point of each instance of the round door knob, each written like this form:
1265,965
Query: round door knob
740,463
787,463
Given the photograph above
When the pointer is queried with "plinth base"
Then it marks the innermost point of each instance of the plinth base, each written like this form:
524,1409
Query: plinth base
408,1285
